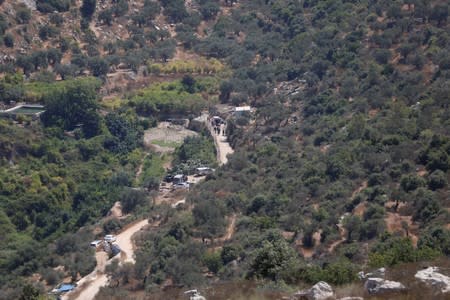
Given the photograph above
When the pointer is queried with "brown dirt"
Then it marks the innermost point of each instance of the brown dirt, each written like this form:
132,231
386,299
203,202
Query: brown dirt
429,69
218,243
422,173
360,209
287,234
309,252
324,148
168,196
342,233
373,112
230,229
390,204
359,189
116,210
201,29
394,223
181,54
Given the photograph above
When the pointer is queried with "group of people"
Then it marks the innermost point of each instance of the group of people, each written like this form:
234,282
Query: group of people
218,125
218,129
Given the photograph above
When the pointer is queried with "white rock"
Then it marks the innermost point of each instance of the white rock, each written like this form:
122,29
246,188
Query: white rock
319,291
432,276
379,285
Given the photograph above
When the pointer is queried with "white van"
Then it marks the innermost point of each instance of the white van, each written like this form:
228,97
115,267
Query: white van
203,171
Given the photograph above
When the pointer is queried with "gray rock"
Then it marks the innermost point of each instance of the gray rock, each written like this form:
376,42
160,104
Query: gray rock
319,291
379,273
352,298
433,277
379,285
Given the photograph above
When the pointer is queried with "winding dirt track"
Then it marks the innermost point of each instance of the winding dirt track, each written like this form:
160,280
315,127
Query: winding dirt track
89,285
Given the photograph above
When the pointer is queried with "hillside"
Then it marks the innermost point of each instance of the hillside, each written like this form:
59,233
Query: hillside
343,165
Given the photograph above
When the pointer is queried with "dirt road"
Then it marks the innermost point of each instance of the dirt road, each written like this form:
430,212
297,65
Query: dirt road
89,285
223,148
126,244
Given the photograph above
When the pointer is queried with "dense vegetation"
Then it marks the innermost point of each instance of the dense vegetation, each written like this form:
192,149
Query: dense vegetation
351,128
53,181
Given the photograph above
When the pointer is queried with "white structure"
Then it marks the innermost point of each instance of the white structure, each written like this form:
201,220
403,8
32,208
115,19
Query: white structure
240,110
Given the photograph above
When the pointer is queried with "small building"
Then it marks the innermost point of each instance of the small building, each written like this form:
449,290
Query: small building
241,110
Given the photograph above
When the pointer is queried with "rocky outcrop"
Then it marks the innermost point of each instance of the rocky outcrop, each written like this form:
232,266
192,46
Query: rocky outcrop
433,277
351,298
379,285
319,291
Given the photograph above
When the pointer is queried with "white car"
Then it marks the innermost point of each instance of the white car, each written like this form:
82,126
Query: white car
110,238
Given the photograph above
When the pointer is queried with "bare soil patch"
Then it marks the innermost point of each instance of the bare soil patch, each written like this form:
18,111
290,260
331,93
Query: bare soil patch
359,189
402,224
165,136
360,209
324,148
116,210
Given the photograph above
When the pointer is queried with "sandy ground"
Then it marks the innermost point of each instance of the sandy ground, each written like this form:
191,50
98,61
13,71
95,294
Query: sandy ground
166,133
89,285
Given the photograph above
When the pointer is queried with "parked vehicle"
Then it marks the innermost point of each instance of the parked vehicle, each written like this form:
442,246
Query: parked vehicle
96,243
110,238
183,185
168,178
179,179
203,171
63,288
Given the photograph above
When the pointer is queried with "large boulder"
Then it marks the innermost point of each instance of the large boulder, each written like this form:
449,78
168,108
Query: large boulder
319,291
379,285
431,276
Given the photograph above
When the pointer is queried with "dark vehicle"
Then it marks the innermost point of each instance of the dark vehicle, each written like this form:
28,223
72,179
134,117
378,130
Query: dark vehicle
168,178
